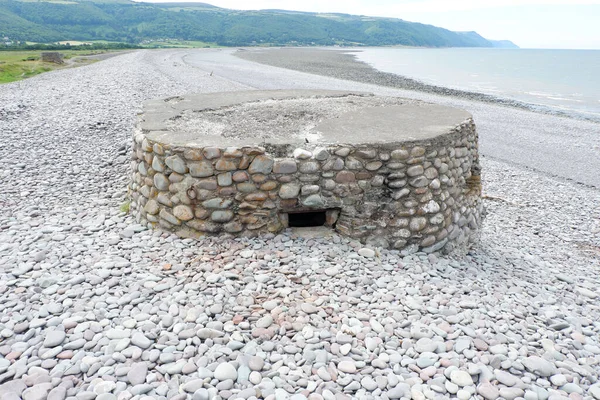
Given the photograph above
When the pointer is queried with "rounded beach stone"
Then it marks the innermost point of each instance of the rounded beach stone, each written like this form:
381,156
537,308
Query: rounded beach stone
218,203
285,167
313,201
157,164
539,366
321,154
289,191
310,189
309,167
261,165
594,390
201,169
152,207
224,164
426,345
419,182
415,170
233,152
256,363
224,179
137,373
345,177
211,153
366,252
225,371
461,378
374,165
417,151
192,154
488,391
161,182
233,227
183,212
417,224
176,164
54,338
222,216
347,366
399,154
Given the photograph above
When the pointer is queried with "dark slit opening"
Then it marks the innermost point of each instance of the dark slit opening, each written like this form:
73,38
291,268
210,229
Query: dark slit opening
307,219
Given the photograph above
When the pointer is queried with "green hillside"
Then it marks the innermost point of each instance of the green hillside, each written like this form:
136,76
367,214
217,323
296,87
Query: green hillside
126,21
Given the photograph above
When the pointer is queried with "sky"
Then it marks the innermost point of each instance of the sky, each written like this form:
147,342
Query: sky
562,24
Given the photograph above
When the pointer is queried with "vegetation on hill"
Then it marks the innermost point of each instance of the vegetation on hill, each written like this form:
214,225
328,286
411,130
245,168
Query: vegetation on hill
130,22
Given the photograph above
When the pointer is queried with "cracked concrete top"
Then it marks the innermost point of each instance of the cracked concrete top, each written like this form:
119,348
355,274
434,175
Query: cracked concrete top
296,117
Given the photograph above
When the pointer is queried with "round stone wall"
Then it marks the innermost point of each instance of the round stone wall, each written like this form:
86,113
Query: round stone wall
386,171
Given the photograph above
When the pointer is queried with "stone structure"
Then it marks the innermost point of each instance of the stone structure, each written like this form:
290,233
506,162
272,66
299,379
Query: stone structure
52,57
387,171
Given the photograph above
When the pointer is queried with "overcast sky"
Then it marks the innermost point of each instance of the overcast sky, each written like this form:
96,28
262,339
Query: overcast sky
528,23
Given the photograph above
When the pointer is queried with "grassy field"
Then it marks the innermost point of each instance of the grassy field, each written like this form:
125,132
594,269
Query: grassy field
17,65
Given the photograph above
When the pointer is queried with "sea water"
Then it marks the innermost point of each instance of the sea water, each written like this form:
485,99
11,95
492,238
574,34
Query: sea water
562,80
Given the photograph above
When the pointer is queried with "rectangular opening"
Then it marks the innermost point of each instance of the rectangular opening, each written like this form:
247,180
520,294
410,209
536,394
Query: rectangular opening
306,219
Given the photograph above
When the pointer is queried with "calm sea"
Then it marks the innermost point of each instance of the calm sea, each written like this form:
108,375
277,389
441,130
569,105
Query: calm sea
565,80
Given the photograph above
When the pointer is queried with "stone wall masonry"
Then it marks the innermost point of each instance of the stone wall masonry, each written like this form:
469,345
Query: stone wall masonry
424,193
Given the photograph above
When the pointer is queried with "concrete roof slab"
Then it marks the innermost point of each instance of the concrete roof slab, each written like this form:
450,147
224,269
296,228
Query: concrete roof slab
307,117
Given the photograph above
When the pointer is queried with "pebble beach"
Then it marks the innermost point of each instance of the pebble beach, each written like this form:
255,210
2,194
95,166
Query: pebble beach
95,306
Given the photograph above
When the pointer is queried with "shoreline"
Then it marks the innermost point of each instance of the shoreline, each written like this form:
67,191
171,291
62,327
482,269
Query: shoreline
343,64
